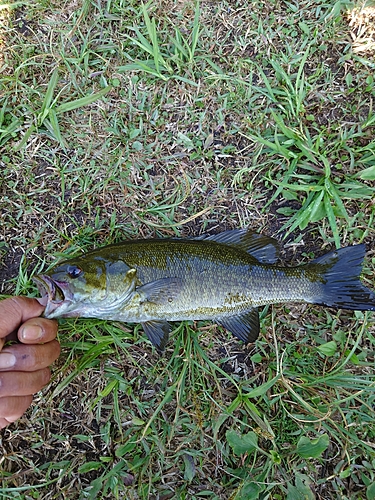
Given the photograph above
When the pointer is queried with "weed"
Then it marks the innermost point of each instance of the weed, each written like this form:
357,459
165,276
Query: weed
165,64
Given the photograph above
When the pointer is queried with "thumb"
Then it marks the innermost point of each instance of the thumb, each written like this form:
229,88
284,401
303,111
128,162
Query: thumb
15,311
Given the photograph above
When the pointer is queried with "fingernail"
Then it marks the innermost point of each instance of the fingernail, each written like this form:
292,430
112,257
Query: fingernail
31,332
7,359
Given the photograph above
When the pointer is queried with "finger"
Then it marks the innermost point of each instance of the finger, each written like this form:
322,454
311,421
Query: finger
20,357
12,408
23,383
37,330
15,311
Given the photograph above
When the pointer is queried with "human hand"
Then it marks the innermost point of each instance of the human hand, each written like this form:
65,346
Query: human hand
24,366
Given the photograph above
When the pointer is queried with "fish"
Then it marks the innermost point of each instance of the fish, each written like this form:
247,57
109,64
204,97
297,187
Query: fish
223,278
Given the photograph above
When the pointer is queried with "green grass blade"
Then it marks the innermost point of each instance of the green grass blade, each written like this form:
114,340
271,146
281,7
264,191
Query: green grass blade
367,174
196,31
268,85
181,46
304,214
53,126
83,101
142,42
334,193
283,184
25,138
331,219
185,80
151,30
2,110
44,110
7,132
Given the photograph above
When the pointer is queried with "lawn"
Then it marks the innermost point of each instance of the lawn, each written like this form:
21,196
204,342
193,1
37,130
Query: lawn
123,120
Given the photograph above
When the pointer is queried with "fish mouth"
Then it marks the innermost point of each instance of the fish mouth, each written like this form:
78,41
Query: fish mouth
55,293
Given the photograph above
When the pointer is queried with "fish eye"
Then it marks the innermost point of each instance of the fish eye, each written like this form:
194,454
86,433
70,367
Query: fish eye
74,271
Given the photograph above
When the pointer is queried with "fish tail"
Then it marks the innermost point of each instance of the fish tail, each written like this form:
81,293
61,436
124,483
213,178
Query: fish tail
340,272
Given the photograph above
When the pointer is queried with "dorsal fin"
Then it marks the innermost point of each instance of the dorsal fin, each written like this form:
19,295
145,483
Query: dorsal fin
263,248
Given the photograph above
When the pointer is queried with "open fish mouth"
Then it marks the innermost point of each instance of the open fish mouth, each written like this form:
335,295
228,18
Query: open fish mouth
54,293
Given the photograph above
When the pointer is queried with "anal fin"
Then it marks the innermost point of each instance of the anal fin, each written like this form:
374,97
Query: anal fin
244,326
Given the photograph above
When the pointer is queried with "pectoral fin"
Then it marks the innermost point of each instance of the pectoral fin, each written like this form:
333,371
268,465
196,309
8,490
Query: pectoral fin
161,291
245,326
158,333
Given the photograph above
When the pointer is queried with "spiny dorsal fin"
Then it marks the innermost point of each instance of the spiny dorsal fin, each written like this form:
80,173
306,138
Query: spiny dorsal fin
263,248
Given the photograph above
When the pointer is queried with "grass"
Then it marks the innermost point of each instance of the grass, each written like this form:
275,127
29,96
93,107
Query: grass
124,120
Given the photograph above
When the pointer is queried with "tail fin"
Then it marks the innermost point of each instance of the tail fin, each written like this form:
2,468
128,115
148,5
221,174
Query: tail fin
342,287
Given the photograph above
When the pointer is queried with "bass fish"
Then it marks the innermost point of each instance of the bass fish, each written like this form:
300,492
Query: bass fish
223,278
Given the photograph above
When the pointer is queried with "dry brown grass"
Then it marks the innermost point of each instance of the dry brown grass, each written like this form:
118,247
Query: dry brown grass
362,24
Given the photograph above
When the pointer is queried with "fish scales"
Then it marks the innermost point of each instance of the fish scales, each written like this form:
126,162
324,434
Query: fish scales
223,278
215,279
